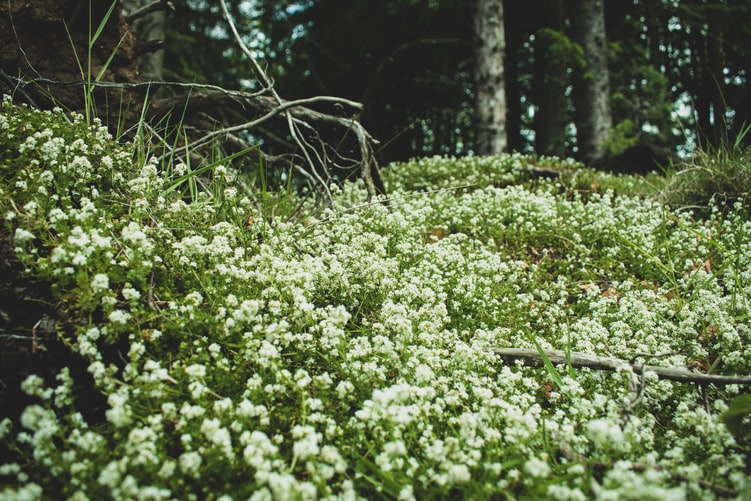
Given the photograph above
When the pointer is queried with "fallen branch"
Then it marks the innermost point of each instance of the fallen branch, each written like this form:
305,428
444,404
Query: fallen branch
532,358
317,158
154,6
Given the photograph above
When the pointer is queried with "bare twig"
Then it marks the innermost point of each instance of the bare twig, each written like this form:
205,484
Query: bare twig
18,40
274,111
154,6
318,155
26,82
266,81
13,83
533,358
316,158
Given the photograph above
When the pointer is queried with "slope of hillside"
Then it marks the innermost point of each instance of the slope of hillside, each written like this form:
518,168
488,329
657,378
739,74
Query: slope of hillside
214,350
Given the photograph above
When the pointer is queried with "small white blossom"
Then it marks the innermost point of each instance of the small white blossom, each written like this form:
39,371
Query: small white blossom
100,283
22,236
119,317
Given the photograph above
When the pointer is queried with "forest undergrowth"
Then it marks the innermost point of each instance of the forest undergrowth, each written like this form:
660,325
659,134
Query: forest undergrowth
239,354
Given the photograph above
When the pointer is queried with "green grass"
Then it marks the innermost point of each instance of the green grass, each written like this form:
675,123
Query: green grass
717,179
244,354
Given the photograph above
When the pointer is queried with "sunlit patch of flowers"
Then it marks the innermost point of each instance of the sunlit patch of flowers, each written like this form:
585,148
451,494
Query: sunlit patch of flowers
352,358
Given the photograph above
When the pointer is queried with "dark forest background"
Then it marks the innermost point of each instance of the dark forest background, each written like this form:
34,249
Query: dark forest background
678,70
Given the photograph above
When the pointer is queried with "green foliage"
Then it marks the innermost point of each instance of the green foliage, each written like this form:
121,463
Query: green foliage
562,49
353,357
642,93
715,178
740,409
621,137
410,63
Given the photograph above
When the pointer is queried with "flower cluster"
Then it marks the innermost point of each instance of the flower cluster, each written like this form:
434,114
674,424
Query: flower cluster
353,358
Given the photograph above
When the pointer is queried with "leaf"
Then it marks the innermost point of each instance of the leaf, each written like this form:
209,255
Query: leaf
102,24
740,407
554,375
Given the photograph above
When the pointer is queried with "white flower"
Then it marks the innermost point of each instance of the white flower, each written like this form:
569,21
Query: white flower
22,236
5,427
459,474
190,462
196,370
100,283
131,294
604,433
119,317
119,413
306,441
536,467
218,435
302,379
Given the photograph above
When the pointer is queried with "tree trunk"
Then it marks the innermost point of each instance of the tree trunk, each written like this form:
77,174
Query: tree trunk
716,78
490,93
655,21
149,30
549,85
47,41
593,116
699,87
514,56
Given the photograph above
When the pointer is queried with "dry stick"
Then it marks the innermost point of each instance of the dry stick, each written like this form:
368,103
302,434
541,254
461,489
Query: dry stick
13,83
533,358
154,6
20,82
266,81
297,108
363,138
246,99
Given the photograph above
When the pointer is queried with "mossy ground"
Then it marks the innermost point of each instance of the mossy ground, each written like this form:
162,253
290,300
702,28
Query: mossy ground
242,355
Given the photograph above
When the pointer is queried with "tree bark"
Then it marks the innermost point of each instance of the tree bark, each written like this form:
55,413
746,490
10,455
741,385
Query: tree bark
149,29
49,39
514,56
549,85
593,115
490,93
716,77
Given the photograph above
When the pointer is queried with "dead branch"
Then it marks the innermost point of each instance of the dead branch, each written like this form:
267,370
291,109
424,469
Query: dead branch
248,102
317,152
148,47
717,489
323,150
720,490
266,81
319,138
532,358
313,144
151,84
154,6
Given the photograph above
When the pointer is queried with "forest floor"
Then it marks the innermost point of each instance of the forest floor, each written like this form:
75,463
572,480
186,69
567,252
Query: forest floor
173,336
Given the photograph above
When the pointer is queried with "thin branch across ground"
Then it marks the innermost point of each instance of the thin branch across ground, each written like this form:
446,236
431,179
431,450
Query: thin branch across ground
533,358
